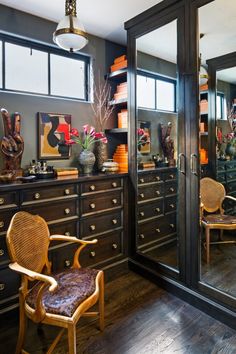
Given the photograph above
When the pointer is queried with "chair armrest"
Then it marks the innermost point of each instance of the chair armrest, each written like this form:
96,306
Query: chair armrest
229,197
72,239
34,275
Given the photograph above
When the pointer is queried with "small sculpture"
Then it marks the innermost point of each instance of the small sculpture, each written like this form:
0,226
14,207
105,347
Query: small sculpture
167,143
12,144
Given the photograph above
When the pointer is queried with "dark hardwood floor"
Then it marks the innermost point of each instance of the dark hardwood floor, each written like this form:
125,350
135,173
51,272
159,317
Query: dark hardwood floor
140,319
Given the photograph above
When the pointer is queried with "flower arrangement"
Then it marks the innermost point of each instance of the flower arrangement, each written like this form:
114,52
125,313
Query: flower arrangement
230,138
86,139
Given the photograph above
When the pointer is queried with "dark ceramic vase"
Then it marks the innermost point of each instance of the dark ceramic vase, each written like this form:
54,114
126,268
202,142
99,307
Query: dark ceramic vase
86,161
101,153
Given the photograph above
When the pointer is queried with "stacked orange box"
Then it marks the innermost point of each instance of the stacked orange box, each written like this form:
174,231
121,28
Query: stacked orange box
204,87
121,157
204,106
121,91
119,63
202,127
203,156
123,118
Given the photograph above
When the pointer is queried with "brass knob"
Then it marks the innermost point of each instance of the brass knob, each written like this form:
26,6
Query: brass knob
158,231
114,201
92,188
2,252
172,226
157,178
2,201
172,189
141,195
172,206
1,224
67,191
158,210
158,192
2,286
67,263
141,180
114,184
92,205
171,176
67,211
114,246
36,195
67,233
114,221
92,227
141,213
92,254
141,236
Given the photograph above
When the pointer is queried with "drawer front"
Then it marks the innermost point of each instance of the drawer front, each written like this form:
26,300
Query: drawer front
5,218
67,229
98,224
220,177
231,187
170,188
149,178
9,199
170,204
38,194
98,186
94,203
54,211
220,167
170,176
150,210
3,249
230,175
150,192
230,166
9,283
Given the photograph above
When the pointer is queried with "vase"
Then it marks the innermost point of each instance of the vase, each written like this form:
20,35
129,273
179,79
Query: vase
87,160
101,153
230,150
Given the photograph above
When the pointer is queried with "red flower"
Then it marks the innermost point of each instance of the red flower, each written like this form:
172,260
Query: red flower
74,132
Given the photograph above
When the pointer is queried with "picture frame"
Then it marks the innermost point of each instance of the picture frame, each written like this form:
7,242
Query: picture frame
53,130
145,148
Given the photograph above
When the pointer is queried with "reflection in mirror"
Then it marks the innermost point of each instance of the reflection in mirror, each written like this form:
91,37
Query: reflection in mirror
157,145
218,110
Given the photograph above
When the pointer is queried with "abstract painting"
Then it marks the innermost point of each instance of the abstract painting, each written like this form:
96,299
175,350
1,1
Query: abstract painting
53,130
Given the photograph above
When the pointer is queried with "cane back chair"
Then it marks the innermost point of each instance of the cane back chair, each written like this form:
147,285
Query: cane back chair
56,299
212,195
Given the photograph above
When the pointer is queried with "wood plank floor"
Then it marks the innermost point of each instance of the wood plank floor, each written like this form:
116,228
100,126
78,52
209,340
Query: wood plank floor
140,319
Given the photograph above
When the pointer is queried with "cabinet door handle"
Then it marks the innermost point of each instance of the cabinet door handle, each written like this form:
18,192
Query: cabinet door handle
141,213
67,233
141,236
67,191
1,224
171,176
2,287
2,252
92,227
182,163
158,192
92,205
93,254
114,246
141,180
158,210
194,164
172,226
114,221
158,231
158,178
36,195
114,201
172,190
2,201
114,184
67,263
67,211
172,206
92,187
141,195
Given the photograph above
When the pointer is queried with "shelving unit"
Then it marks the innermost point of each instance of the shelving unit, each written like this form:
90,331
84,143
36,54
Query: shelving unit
203,123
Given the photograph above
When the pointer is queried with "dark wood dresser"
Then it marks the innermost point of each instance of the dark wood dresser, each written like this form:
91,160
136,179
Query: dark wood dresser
226,174
87,207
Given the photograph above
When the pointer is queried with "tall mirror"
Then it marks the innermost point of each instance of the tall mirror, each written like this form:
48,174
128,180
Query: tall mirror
218,148
157,145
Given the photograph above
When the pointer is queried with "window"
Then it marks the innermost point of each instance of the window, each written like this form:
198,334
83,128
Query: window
156,92
220,106
34,68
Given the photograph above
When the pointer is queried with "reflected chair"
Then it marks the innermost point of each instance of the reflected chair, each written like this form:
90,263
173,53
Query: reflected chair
58,299
212,195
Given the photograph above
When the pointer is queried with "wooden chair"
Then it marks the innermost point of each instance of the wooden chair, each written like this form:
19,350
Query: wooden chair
56,299
212,195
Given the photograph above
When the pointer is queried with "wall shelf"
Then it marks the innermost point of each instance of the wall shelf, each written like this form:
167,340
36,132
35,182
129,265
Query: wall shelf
116,130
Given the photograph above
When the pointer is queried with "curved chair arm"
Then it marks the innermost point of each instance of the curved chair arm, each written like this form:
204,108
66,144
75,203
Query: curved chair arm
83,243
229,197
222,200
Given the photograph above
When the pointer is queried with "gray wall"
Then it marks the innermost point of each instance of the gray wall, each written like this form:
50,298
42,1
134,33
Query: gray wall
102,53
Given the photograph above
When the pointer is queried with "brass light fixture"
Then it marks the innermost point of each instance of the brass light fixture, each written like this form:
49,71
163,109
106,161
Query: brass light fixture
70,34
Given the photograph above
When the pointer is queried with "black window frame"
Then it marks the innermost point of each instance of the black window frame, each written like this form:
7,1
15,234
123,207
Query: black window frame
159,77
222,97
49,49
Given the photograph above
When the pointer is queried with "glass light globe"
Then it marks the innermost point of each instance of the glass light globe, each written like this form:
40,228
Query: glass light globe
203,76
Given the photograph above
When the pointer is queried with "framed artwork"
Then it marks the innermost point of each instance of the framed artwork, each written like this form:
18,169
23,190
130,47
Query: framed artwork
146,148
53,129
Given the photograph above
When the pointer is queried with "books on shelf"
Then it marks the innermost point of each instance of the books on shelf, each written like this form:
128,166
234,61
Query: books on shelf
67,171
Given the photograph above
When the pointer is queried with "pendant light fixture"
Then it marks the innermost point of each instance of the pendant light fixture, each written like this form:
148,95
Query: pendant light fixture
203,74
70,34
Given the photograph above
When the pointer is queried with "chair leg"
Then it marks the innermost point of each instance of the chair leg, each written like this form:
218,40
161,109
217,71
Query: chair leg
22,324
72,338
101,303
207,233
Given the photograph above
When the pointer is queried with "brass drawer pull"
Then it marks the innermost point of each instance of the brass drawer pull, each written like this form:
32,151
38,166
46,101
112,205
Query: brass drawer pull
2,201
158,192
1,224
158,231
67,191
158,210
114,201
67,233
92,187
141,195
171,176
114,246
114,221
172,189
141,236
92,205
114,184
92,227
172,206
2,286
2,252
158,178
67,211
172,226
36,195
141,213
92,253
67,263
141,180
